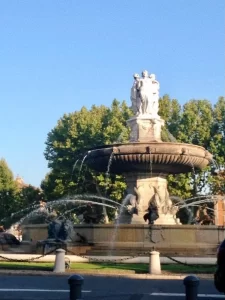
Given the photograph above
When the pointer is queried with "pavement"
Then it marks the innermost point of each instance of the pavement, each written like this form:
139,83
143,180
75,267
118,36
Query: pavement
99,287
139,259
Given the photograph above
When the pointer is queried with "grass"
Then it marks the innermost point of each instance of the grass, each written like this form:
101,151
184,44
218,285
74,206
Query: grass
109,267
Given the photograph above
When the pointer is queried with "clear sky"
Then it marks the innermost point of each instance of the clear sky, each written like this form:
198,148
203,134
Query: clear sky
56,56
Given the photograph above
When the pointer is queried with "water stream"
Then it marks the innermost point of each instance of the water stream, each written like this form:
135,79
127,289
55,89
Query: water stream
50,205
109,164
150,159
82,162
74,167
116,225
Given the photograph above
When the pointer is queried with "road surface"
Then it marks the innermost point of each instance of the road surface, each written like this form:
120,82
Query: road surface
99,288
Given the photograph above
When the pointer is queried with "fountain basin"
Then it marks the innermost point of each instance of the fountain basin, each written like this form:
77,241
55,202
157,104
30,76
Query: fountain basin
160,157
134,239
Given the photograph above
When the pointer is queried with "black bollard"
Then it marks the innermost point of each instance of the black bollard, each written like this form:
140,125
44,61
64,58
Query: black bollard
75,282
191,283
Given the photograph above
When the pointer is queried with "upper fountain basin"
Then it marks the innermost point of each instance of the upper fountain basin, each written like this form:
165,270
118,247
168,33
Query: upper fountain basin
164,157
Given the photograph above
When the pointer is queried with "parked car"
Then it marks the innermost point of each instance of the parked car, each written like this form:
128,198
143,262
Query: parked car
219,276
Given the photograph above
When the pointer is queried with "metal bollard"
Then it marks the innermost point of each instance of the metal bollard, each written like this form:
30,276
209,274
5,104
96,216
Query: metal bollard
59,266
154,263
191,283
75,281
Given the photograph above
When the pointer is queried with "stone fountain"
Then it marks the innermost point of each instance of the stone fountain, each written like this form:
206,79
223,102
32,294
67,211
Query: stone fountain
146,161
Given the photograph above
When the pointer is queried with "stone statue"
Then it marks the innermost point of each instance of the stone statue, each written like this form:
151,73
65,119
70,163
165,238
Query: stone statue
163,200
130,203
145,95
202,216
152,214
135,97
7,238
145,88
155,99
58,230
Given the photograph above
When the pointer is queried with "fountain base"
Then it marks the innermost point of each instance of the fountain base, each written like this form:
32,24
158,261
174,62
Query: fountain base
172,240
147,190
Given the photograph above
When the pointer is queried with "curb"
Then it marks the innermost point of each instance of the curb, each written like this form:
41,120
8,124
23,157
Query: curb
118,275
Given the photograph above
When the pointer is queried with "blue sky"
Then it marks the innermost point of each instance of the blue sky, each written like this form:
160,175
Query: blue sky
57,56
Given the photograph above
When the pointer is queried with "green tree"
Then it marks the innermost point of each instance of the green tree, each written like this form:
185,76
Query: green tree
29,195
73,135
217,141
217,148
8,191
170,111
196,122
217,183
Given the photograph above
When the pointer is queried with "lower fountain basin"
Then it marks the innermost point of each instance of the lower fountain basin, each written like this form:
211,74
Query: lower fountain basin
158,157
136,239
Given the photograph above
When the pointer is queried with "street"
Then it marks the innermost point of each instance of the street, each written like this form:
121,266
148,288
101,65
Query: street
99,287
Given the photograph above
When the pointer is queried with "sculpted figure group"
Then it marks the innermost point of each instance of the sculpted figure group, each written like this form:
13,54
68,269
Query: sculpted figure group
145,95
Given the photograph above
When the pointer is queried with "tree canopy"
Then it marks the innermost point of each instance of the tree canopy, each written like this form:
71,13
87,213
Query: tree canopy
14,197
8,190
74,134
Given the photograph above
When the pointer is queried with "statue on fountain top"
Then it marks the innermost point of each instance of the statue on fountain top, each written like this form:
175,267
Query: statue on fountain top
145,95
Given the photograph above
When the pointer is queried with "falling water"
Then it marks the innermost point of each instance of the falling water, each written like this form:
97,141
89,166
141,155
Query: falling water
120,138
150,158
59,202
70,210
107,174
33,206
36,210
194,176
184,203
192,166
83,160
193,198
195,205
91,197
170,136
198,201
117,223
109,164
74,166
198,205
216,167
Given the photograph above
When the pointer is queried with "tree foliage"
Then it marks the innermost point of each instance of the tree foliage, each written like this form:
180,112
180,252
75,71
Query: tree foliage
14,197
29,195
73,135
8,190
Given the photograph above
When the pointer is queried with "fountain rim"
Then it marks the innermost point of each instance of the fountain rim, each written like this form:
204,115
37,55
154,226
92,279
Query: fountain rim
130,153
113,147
143,143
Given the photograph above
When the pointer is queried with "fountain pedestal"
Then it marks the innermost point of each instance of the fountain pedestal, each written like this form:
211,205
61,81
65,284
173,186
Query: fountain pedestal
147,188
145,129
